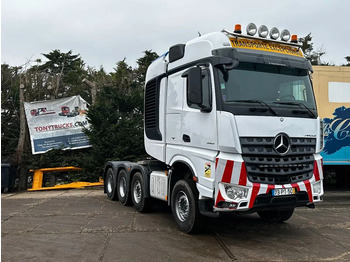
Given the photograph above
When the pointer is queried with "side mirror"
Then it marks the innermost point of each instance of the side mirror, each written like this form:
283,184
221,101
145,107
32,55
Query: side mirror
194,85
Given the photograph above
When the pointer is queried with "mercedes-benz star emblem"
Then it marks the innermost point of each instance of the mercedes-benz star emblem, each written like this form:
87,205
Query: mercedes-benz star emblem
281,144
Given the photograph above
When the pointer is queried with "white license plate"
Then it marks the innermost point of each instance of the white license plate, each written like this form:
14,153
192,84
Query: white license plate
283,191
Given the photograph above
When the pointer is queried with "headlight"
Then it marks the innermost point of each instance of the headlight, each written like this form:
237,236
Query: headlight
236,193
317,187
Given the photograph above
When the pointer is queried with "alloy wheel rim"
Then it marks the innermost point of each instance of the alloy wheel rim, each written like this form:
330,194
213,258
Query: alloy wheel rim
182,206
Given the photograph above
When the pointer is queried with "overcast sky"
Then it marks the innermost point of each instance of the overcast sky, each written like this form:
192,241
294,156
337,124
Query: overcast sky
107,31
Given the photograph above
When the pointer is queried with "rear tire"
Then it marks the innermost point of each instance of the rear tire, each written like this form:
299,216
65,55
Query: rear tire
184,206
123,189
140,202
276,216
111,185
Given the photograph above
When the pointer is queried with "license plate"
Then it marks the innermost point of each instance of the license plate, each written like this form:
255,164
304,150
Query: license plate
283,191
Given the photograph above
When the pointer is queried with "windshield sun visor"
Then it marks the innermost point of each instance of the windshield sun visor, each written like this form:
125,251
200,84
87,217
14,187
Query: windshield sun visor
253,56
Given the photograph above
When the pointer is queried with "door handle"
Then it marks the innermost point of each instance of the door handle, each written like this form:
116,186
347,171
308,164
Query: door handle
186,138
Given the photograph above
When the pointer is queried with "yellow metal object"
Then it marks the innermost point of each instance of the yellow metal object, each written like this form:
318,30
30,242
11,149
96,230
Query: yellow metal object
39,175
265,46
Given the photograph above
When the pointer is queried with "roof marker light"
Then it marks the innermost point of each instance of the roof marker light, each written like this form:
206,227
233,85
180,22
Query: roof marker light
285,35
274,33
294,39
263,31
251,29
238,29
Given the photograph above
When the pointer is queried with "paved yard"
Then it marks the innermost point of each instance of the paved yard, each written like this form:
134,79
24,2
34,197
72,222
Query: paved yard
83,225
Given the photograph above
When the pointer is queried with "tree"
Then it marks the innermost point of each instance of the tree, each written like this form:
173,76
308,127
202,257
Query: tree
64,71
10,81
116,118
347,60
95,80
143,64
313,56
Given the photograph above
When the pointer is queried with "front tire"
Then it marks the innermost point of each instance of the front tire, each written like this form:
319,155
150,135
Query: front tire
123,190
140,202
276,216
111,185
184,206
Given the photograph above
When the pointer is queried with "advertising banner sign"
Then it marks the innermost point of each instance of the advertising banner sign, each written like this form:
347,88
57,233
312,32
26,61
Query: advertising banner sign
57,124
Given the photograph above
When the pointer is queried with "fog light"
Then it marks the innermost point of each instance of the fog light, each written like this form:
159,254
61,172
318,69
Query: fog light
223,204
236,193
317,187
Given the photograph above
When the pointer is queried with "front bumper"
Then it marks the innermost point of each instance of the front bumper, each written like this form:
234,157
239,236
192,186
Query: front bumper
260,195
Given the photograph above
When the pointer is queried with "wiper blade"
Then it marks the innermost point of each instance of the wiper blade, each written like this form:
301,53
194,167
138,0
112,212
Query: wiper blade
256,101
301,105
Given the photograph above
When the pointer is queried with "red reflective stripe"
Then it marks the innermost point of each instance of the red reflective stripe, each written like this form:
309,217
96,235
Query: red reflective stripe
308,189
216,162
256,188
296,186
316,172
226,177
219,198
243,176
269,188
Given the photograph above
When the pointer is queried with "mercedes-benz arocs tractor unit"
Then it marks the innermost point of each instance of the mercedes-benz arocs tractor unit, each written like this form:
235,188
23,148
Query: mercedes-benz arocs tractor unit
231,125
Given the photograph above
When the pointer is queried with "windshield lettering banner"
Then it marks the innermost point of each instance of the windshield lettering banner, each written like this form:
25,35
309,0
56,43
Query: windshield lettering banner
57,124
262,46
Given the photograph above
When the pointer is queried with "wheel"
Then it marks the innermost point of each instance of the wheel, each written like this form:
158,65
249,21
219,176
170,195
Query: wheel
122,186
140,202
110,185
276,215
184,206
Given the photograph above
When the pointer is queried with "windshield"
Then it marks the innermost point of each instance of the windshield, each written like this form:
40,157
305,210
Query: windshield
271,86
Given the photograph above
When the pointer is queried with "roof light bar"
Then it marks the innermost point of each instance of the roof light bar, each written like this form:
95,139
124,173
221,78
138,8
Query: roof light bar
263,33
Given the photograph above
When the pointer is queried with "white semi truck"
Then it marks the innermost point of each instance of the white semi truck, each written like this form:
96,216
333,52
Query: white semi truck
231,125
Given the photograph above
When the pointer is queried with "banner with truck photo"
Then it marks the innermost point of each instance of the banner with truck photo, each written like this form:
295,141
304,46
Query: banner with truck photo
57,124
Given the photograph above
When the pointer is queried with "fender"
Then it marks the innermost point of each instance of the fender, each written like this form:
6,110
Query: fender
173,161
185,160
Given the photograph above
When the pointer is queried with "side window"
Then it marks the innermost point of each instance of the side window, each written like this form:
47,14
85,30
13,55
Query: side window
206,91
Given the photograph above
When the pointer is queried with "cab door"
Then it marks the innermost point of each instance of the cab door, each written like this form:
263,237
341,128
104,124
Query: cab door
199,129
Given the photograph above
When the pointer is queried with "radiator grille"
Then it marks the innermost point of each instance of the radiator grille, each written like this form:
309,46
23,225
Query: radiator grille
266,166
